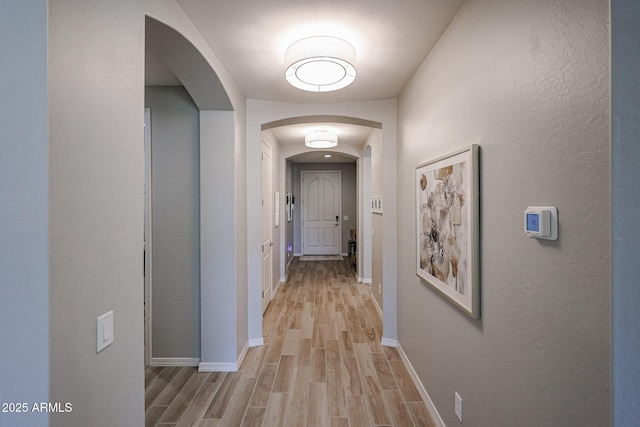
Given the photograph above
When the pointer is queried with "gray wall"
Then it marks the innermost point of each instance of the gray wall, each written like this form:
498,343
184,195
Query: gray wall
24,210
96,158
221,339
625,158
528,81
348,202
94,68
175,159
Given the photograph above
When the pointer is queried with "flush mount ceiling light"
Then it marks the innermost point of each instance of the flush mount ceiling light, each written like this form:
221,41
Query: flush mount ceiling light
320,64
321,139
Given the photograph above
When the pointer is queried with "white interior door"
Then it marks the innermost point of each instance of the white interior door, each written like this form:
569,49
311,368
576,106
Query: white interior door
321,226
267,220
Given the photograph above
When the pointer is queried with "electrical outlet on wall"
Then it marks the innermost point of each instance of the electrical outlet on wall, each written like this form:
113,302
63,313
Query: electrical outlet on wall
379,288
458,406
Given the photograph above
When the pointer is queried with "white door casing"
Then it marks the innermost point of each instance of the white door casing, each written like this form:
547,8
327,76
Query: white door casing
267,220
321,225
147,239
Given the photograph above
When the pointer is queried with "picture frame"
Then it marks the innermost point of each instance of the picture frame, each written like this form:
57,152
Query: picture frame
447,227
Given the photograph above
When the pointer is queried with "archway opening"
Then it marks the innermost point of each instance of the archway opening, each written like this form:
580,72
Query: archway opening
191,150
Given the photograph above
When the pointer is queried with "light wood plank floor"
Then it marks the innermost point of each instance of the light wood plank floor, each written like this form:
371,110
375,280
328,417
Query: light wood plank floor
322,365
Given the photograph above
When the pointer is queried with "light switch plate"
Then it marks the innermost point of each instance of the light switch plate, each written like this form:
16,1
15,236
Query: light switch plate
104,331
458,406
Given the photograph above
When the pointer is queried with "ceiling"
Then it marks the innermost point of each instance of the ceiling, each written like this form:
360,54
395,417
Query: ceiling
391,37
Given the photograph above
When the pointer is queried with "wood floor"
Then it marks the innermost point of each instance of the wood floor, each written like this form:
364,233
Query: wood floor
322,365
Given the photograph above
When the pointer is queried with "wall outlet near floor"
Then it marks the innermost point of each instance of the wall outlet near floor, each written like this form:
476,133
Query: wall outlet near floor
458,406
379,288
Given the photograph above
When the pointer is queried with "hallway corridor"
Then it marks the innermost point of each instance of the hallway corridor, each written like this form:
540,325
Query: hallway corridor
322,365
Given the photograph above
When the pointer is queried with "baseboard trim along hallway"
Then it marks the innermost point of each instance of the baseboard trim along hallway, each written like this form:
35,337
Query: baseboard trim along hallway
435,415
174,361
224,367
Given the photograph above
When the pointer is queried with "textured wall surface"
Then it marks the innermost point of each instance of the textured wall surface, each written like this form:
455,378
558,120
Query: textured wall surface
625,158
528,81
175,152
96,105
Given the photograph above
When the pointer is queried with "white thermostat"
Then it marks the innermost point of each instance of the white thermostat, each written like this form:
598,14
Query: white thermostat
541,222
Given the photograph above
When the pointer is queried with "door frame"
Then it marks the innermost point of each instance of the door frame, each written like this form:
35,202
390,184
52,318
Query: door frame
267,202
147,245
302,216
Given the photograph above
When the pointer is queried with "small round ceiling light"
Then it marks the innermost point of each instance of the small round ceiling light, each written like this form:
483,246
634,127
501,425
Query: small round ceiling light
320,64
321,139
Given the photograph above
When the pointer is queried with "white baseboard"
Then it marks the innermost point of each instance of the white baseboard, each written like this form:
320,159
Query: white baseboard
275,290
431,408
257,342
218,367
388,342
224,367
174,361
243,353
365,281
375,302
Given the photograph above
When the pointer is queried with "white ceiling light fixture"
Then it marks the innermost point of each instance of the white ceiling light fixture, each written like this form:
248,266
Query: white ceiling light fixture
320,64
321,139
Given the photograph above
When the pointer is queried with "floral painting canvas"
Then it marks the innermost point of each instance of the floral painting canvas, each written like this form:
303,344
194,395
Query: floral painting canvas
447,227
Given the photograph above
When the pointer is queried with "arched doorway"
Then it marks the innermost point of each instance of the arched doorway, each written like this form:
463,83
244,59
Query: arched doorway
290,150
193,134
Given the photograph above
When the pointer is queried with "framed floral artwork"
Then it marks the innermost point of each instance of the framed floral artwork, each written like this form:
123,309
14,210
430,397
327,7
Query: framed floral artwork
447,224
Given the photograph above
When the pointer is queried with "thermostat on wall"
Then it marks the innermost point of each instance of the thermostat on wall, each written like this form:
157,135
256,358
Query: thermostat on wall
541,222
